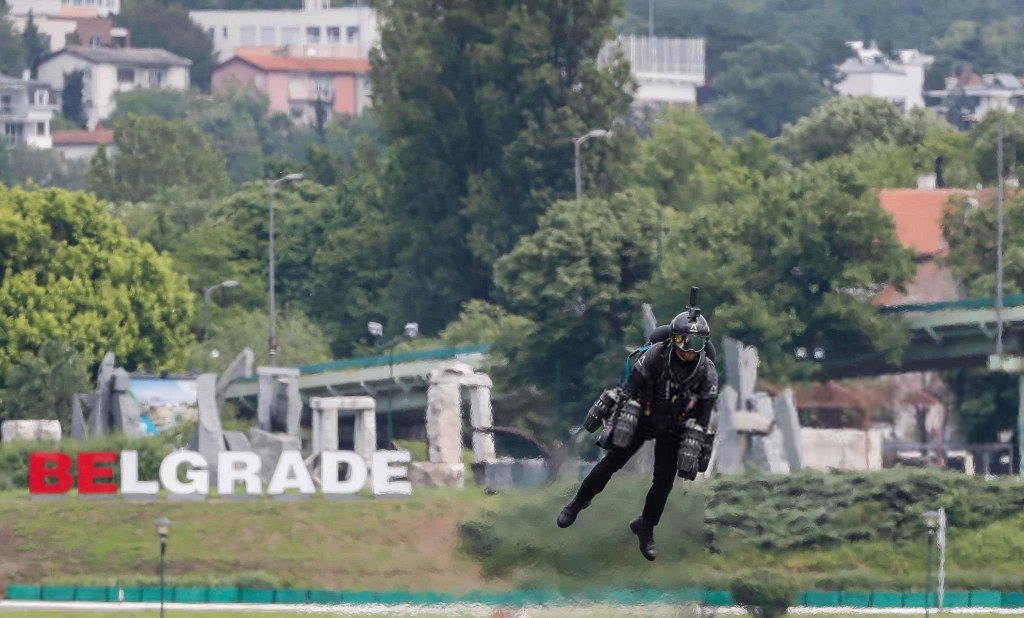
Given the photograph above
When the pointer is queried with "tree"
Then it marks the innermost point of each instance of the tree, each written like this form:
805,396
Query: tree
40,384
301,341
72,97
478,110
44,168
577,280
36,45
71,274
983,141
840,125
156,154
12,52
764,86
154,24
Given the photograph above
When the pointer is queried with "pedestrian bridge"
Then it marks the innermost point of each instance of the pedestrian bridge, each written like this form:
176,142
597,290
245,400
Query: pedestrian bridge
944,335
403,376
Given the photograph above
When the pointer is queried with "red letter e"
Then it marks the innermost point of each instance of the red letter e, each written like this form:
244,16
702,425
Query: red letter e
89,472
42,466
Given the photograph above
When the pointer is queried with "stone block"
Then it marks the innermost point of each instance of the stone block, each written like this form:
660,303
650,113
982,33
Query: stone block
236,441
30,430
269,447
428,474
240,367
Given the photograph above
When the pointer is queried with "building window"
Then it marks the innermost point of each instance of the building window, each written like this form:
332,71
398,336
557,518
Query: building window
125,76
13,132
313,34
94,41
352,34
211,32
224,32
333,34
5,104
267,35
323,86
248,36
42,97
290,35
40,128
156,77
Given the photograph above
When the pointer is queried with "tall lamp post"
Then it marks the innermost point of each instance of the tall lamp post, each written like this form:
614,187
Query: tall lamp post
273,327
411,330
931,520
163,528
206,303
577,142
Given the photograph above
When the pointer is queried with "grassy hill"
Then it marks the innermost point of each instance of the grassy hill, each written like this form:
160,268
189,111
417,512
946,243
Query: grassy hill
830,531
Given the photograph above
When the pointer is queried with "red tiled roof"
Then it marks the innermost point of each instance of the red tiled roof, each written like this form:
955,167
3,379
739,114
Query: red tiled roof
82,138
304,65
917,214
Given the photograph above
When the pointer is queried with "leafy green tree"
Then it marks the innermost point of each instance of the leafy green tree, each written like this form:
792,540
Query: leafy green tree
478,110
577,280
40,384
44,168
983,141
71,274
300,341
155,24
12,52
72,97
765,86
155,154
36,45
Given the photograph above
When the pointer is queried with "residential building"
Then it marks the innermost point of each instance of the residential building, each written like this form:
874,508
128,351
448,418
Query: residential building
667,70
82,145
26,109
976,95
870,72
89,31
102,8
297,86
109,71
325,31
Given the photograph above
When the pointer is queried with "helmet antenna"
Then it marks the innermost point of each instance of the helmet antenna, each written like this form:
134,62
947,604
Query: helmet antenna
693,309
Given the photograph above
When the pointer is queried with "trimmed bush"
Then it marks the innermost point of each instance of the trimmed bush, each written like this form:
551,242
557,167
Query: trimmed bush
768,591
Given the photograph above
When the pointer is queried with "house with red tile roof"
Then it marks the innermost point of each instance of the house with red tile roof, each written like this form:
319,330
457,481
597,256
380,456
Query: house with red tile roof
298,85
79,145
917,215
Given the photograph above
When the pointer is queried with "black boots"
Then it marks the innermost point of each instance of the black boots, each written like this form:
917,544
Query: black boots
645,533
569,512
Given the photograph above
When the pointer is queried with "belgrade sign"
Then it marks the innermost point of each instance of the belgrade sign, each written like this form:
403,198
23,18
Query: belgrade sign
188,473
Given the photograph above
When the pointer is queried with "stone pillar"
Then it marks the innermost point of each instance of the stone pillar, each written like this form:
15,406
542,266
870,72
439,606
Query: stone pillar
788,422
444,425
729,451
99,420
270,379
365,434
240,367
209,431
481,416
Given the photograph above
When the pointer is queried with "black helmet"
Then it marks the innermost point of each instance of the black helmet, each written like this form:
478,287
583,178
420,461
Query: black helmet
690,334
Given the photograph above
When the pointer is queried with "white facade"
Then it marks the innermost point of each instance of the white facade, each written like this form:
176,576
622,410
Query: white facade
871,73
102,8
996,91
26,109
667,70
348,31
109,71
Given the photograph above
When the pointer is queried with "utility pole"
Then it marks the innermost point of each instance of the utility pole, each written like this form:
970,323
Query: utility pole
999,244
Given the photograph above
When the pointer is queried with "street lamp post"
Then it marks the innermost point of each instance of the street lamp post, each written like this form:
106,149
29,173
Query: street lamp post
577,142
376,330
931,520
163,527
273,327
206,303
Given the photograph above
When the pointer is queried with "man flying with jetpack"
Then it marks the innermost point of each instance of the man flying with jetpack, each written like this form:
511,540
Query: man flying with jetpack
668,396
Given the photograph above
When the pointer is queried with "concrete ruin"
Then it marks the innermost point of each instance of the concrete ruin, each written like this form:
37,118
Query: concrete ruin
324,421
111,408
752,427
444,467
278,404
29,430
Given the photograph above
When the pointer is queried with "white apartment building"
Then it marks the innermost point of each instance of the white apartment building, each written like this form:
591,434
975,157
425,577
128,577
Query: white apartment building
109,71
322,30
26,109
871,73
102,8
667,70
